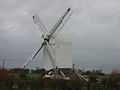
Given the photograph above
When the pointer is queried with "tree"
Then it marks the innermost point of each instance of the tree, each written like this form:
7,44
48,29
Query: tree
5,78
114,79
93,77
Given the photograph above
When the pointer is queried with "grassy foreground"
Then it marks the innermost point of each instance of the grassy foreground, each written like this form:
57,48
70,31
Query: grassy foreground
24,81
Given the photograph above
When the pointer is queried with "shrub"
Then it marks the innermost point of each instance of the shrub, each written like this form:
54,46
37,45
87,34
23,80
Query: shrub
114,79
22,74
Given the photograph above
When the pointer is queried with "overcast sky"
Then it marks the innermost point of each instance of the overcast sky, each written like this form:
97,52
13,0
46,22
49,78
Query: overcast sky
94,27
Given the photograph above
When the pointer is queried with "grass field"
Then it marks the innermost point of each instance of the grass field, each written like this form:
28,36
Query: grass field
33,75
32,81
30,75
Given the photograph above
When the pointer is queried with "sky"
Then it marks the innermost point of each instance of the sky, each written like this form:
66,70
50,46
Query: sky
94,28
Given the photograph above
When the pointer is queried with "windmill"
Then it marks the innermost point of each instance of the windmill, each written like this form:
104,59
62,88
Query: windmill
56,49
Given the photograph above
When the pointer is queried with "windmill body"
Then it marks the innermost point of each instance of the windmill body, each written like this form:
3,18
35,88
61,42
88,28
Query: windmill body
62,48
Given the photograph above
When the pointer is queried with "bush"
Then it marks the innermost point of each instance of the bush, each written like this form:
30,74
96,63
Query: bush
104,81
5,78
93,77
3,75
22,74
114,79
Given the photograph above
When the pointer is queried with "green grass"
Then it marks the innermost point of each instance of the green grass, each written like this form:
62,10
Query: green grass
16,75
99,76
103,76
33,75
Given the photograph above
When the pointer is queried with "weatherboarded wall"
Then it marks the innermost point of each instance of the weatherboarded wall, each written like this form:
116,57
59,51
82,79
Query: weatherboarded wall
62,47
